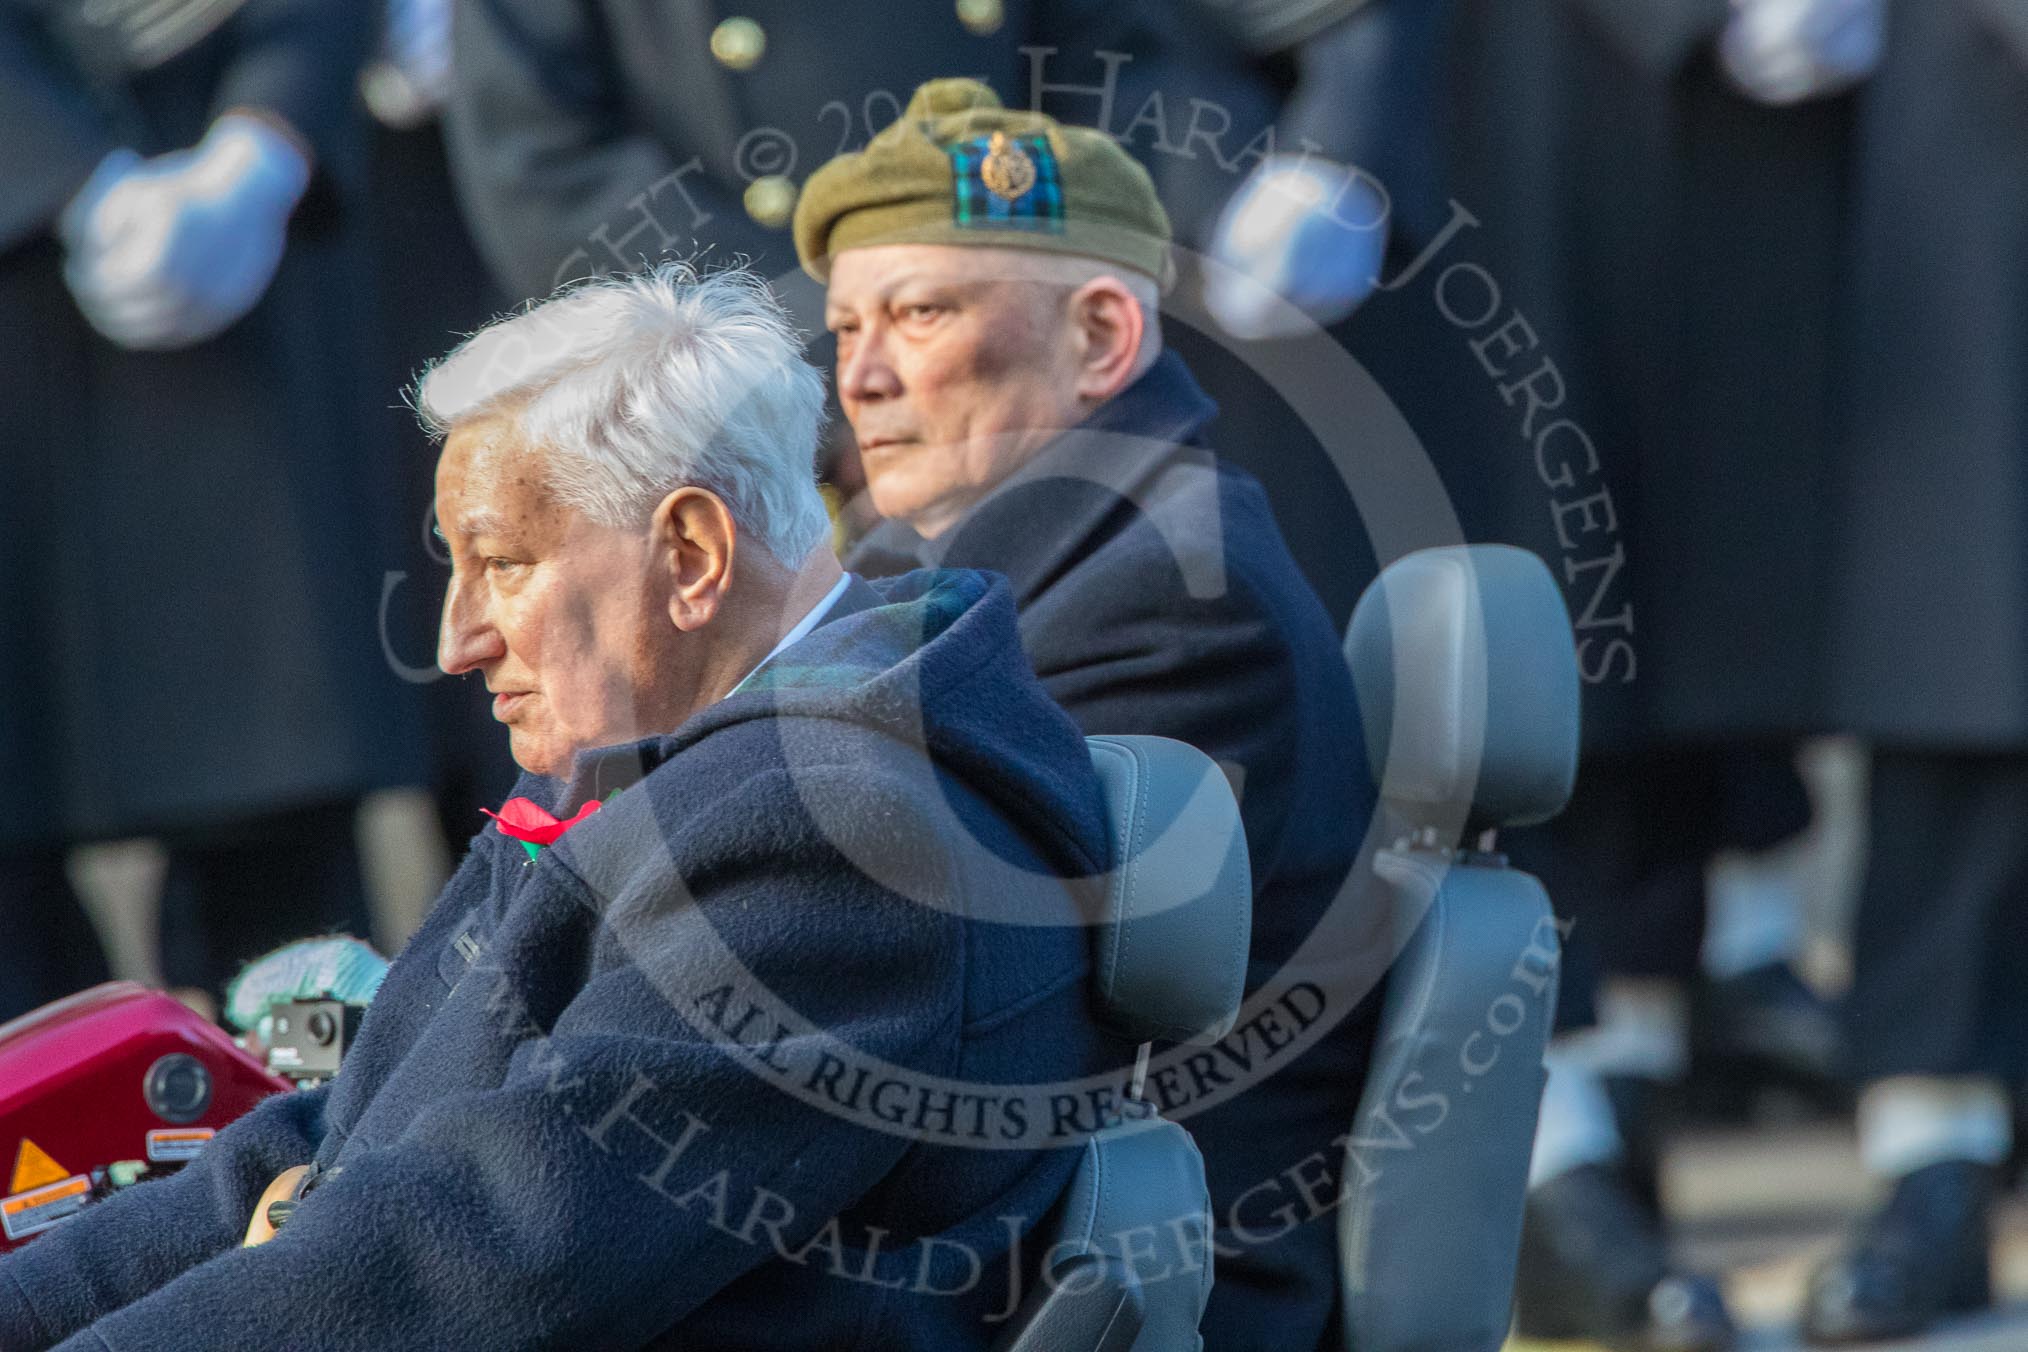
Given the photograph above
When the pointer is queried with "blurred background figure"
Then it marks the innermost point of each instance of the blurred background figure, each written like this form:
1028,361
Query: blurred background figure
1303,241
1612,307
1682,327
1637,320
191,532
1928,653
588,135
431,287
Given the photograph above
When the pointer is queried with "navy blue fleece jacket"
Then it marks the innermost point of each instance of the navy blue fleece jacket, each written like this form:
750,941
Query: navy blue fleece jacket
629,1095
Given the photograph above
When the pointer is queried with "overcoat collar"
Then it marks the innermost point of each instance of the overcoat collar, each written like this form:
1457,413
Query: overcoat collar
1119,449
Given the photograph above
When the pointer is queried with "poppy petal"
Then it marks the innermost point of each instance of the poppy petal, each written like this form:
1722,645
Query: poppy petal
523,820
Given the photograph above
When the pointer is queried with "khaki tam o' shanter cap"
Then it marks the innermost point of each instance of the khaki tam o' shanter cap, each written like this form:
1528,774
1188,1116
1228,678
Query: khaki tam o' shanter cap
960,168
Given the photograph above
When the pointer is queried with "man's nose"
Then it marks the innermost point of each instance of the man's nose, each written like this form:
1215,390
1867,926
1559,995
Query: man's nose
866,373
466,638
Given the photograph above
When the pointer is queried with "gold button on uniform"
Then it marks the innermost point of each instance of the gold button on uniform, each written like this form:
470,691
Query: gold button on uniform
771,200
982,16
738,43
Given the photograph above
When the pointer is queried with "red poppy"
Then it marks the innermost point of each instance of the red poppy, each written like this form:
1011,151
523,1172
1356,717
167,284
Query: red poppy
527,821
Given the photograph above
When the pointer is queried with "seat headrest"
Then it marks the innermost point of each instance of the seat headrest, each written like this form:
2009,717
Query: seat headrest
1178,906
1467,680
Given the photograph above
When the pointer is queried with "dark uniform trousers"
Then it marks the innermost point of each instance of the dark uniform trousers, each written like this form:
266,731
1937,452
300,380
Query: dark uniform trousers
1940,942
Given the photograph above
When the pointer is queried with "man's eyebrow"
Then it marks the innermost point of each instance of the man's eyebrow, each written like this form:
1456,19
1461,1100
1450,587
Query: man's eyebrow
887,286
481,523
929,281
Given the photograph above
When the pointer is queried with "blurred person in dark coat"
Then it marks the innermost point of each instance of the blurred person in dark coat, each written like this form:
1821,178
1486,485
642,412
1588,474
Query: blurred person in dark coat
190,529
1928,654
1609,308
1682,286
431,286
1767,256
1019,414
588,134
1787,260
1310,224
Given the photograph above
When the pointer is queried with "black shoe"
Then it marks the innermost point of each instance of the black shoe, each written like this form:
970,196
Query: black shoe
1593,1265
1919,1259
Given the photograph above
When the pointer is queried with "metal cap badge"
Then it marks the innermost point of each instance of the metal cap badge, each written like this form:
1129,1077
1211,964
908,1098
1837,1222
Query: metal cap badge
1007,171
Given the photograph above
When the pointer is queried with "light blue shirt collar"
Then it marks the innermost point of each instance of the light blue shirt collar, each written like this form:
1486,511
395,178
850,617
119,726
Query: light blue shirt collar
803,627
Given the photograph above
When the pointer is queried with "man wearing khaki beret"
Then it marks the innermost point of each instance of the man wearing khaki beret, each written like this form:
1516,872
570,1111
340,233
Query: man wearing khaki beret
993,281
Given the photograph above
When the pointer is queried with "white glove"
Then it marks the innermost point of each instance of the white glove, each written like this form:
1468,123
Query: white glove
1306,231
168,252
412,77
112,171
1785,51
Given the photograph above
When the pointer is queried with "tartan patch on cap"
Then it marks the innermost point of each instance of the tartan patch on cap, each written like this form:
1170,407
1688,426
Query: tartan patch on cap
1008,183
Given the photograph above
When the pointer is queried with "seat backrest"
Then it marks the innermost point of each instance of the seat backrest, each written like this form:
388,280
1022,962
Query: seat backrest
1467,680
1172,939
1127,1264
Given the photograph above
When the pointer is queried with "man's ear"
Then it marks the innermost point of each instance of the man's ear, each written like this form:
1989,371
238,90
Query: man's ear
1111,324
698,541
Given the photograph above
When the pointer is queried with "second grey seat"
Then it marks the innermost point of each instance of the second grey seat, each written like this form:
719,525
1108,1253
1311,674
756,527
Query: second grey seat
1466,671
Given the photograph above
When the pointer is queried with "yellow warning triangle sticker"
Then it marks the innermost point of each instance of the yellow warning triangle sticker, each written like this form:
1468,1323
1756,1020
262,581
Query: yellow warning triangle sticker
33,1167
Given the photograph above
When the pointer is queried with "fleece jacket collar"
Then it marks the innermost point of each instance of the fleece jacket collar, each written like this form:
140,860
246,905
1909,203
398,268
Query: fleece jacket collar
932,659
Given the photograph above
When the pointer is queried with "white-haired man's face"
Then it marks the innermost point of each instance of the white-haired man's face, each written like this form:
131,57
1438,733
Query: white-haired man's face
566,619
957,363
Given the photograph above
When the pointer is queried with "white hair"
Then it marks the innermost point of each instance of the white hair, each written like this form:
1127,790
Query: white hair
1071,271
640,384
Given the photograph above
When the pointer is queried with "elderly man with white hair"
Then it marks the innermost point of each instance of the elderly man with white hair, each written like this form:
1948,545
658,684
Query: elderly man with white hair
700,1044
